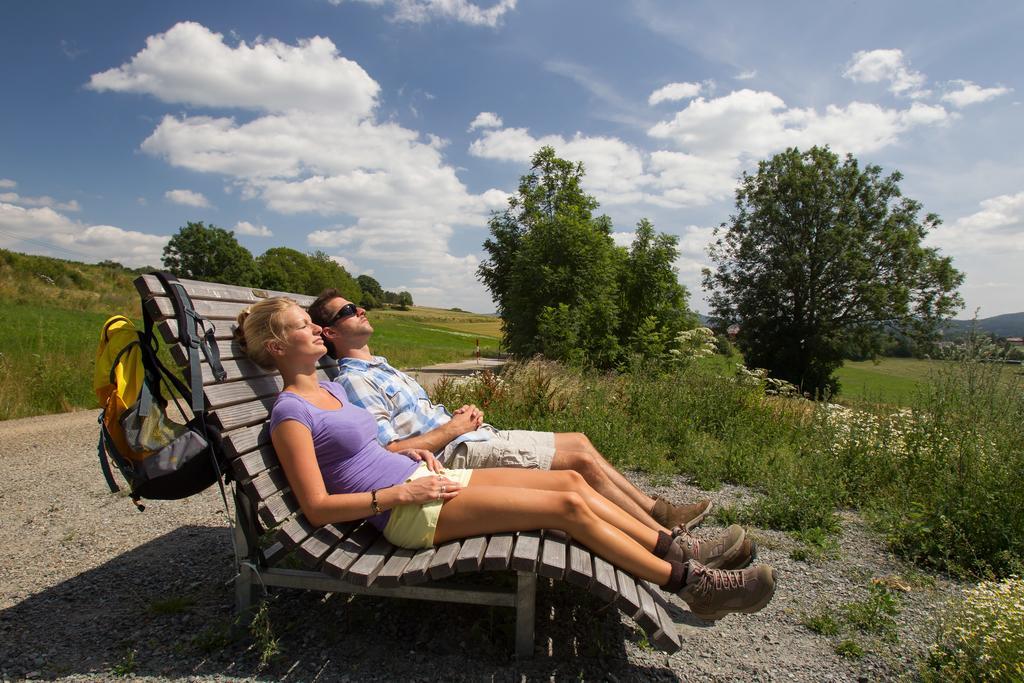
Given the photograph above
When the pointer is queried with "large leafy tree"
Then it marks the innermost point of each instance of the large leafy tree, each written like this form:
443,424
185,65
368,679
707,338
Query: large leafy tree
209,253
560,283
821,255
325,272
284,269
653,305
373,293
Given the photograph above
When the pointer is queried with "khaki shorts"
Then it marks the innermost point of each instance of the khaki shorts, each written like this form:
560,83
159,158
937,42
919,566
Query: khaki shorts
511,448
413,525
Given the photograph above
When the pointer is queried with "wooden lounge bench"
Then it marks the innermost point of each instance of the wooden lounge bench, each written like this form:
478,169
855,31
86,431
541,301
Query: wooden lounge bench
355,557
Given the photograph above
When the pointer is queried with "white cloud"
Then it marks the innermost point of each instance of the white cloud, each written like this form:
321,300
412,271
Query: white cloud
187,198
674,92
247,228
7,183
875,66
755,123
485,119
967,93
43,201
746,75
995,229
421,11
623,239
191,64
45,231
350,266
614,169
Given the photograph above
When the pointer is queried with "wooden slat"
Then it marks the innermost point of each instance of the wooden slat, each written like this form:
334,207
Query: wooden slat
627,600
316,547
273,553
524,555
499,552
553,555
228,350
604,585
342,557
254,462
581,566
647,617
416,571
243,415
276,509
443,563
230,393
667,635
266,485
246,439
161,307
471,556
391,574
294,531
363,571
149,286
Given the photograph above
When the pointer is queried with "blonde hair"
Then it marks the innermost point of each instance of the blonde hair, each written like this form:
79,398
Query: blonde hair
259,324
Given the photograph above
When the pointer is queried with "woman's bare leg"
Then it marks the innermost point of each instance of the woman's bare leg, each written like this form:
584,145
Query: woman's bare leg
483,509
568,480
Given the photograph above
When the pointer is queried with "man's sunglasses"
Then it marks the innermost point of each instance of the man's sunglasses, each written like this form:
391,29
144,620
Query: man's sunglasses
346,311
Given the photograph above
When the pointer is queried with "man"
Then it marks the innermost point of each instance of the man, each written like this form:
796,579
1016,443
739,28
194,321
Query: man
461,439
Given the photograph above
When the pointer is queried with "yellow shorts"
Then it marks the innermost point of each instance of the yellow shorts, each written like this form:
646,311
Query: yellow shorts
413,525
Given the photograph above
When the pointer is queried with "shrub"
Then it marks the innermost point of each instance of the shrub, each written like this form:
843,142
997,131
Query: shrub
982,638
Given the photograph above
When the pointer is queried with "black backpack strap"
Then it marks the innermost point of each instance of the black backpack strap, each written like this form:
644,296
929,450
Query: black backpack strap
101,450
196,334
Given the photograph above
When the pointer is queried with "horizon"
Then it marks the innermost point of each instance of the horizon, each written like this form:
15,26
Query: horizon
384,132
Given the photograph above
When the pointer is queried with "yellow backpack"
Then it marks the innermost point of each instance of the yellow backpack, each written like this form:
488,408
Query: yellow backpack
160,458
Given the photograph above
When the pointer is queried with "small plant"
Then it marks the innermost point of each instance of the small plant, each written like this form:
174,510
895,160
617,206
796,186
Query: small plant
126,665
262,632
816,545
875,615
849,648
821,622
982,638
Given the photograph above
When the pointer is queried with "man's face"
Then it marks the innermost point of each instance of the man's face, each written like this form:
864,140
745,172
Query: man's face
347,324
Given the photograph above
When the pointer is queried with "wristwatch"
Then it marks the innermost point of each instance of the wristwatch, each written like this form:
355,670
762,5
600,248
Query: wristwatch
374,505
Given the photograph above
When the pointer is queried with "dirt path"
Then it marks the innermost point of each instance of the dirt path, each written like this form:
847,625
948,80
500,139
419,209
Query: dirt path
90,588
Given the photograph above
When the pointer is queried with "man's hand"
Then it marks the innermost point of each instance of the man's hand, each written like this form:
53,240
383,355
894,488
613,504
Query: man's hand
423,455
475,413
463,421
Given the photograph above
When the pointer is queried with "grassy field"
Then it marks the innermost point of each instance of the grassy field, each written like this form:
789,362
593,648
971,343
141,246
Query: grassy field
893,381
47,351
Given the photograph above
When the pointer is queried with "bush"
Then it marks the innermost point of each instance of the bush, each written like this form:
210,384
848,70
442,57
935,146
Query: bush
982,638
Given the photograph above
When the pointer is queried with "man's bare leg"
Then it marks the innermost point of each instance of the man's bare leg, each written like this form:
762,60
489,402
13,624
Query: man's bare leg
574,453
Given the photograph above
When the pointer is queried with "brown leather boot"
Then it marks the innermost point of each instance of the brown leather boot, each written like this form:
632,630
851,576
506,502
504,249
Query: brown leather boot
685,516
728,550
714,593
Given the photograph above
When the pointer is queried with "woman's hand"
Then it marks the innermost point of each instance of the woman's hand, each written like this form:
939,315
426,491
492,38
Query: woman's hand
429,489
475,414
423,455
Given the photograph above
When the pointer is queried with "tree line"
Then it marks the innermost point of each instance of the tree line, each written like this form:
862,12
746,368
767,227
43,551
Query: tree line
822,260
202,252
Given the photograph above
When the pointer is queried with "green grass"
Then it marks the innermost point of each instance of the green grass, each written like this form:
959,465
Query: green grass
419,340
890,380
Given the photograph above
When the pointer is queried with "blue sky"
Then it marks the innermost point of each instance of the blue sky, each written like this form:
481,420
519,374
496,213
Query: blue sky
383,132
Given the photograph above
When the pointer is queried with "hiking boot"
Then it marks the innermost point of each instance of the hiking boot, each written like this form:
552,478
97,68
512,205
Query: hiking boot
728,550
714,593
685,516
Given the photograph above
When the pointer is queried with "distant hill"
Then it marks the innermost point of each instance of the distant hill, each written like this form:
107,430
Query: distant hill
1007,325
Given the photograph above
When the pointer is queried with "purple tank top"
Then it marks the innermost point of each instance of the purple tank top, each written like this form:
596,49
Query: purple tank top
345,440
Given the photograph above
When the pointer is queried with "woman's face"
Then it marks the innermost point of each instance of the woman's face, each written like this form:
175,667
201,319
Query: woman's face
302,334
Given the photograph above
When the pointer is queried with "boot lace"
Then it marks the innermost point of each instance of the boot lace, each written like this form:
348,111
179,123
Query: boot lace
711,580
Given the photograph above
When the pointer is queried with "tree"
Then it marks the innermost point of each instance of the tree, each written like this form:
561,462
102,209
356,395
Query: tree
209,253
820,256
404,300
550,259
285,270
326,272
653,304
373,293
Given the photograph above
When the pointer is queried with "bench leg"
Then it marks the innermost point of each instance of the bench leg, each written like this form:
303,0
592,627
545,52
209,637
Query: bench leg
526,608
245,553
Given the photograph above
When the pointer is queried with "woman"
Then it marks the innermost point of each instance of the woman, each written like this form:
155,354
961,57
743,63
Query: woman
339,473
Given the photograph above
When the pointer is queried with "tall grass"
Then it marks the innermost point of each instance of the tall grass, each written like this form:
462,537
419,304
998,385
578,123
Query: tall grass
941,479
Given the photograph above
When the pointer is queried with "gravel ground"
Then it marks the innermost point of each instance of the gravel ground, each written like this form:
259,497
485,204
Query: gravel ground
91,589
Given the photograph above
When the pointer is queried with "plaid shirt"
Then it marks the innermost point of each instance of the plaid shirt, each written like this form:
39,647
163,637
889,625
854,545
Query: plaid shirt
398,403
